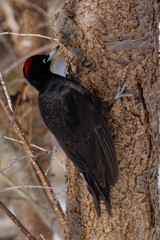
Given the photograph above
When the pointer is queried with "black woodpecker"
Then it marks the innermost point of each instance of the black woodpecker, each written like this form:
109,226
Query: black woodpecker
79,121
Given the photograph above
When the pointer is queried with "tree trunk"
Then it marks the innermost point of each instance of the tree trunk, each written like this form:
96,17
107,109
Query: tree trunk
109,42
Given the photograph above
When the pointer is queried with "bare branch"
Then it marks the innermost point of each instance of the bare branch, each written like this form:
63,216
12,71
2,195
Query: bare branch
17,222
22,59
52,153
28,34
6,93
18,129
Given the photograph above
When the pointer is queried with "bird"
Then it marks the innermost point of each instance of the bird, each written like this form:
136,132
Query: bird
79,122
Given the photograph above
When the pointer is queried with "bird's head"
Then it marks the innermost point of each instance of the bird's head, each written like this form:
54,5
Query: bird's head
37,68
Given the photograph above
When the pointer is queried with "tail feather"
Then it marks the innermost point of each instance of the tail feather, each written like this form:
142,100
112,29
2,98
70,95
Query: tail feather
105,196
96,190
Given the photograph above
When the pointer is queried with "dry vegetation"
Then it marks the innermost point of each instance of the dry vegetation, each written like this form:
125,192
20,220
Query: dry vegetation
31,206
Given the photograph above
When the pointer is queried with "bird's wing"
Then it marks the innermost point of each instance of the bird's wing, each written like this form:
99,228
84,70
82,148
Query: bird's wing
90,145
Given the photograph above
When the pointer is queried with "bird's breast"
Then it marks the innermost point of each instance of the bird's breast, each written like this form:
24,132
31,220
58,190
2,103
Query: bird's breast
59,119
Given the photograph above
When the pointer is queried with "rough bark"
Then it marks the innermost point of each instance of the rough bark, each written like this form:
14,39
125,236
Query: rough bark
109,42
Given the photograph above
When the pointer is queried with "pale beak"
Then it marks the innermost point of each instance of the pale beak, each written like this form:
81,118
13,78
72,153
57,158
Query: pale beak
52,52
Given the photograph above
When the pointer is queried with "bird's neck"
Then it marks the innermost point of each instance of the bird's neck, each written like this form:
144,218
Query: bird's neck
48,80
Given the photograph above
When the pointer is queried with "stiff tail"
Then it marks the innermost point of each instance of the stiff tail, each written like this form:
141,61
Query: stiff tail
96,190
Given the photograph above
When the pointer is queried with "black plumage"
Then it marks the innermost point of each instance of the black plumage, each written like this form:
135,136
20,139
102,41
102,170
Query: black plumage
79,121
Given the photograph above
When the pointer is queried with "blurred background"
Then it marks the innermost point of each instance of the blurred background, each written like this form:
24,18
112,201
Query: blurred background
29,205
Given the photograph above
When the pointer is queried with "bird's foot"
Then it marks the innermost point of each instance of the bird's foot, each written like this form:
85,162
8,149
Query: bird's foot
121,90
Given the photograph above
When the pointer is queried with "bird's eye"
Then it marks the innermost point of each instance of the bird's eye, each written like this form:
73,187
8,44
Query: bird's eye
44,60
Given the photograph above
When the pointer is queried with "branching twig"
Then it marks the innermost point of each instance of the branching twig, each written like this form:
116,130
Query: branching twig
17,222
32,145
28,34
18,129
52,153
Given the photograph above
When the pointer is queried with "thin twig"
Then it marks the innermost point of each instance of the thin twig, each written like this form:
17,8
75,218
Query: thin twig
6,92
42,236
52,153
17,222
53,157
10,165
6,189
28,34
37,205
35,7
22,59
18,129
32,145
10,182
21,192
